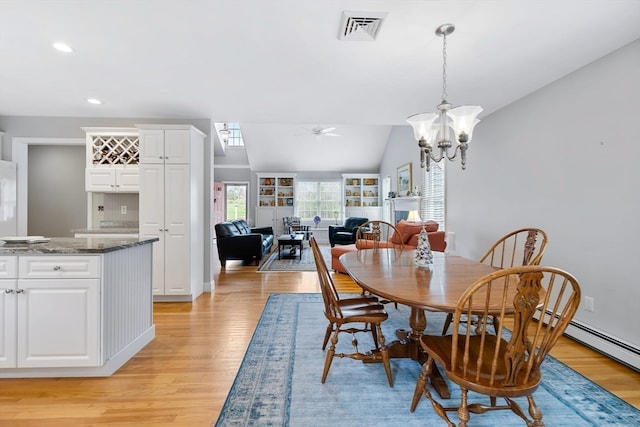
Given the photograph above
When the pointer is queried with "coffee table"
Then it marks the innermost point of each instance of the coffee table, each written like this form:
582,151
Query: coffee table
292,241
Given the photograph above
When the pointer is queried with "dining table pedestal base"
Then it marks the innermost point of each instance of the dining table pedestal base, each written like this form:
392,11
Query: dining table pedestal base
408,346
392,275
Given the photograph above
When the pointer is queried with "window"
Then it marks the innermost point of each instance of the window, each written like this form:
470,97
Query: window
235,135
236,201
433,198
318,198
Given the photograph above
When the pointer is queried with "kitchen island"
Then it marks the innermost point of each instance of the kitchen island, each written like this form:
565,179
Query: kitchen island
73,307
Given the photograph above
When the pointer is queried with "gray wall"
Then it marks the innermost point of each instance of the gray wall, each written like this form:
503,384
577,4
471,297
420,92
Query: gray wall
57,200
564,159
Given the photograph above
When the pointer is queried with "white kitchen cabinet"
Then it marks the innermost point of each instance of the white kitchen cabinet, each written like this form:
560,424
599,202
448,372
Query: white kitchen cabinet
165,145
171,208
8,301
71,336
74,314
112,159
8,328
112,179
50,312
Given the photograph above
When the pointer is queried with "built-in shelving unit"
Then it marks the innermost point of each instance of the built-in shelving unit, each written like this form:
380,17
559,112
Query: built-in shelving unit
362,191
276,196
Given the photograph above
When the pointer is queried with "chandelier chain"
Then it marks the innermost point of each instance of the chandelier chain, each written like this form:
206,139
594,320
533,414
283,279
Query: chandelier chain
444,67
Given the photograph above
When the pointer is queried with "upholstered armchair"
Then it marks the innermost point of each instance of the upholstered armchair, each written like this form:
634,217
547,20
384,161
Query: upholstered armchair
345,234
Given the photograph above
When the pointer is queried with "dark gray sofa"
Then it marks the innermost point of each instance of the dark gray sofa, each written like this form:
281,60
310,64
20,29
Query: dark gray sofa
236,240
345,234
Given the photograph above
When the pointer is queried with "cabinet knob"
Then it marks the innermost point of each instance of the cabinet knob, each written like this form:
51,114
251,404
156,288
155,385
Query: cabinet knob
19,291
8,291
166,229
56,268
160,157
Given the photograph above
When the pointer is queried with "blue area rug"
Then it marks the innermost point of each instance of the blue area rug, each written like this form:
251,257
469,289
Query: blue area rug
278,383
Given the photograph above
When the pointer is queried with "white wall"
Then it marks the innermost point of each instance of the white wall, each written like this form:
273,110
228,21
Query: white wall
565,159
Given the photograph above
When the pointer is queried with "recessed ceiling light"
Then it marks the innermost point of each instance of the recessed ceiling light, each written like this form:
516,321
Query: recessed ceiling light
94,101
63,47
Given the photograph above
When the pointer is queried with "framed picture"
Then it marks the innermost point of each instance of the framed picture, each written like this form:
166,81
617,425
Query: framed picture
404,180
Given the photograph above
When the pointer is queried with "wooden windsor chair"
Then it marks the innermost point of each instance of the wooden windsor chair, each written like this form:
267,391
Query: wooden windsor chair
499,365
524,246
343,313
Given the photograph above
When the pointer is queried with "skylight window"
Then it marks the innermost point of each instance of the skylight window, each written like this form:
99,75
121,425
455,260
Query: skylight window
235,135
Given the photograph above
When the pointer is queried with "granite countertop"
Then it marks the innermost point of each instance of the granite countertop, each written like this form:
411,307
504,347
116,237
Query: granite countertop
70,245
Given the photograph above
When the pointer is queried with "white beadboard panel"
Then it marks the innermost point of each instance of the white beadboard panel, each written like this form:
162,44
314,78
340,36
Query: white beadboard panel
127,299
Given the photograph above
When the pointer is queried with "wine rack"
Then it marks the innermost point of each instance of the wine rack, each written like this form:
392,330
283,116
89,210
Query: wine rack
115,150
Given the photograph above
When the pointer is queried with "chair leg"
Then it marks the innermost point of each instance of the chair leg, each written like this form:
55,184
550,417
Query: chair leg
535,412
421,384
421,387
327,335
447,323
463,410
330,354
384,353
496,324
374,334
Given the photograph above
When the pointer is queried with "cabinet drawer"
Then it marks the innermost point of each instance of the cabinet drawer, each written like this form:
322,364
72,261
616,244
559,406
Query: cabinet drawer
53,267
8,267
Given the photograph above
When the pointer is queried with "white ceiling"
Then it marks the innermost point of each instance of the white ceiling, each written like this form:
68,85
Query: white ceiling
278,68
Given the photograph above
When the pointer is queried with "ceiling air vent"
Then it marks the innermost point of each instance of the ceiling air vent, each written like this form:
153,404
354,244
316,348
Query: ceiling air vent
360,26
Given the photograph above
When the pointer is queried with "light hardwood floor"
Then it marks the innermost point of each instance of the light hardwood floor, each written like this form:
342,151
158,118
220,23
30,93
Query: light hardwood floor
182,377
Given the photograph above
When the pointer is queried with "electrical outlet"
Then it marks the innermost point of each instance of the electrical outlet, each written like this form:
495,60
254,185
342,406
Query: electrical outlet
589,303
100,208
123,210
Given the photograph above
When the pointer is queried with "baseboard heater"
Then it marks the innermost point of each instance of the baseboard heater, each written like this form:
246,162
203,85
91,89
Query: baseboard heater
621,351
612,347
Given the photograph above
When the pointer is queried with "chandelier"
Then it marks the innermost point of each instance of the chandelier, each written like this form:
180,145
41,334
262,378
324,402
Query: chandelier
435,128
224,133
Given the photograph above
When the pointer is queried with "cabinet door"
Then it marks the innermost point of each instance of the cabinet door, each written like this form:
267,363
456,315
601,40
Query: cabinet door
8,323
101,180
151,146
176,235
176,145
128,180
265,217
151,207
58,323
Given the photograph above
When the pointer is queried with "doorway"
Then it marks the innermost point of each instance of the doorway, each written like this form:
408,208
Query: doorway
235,196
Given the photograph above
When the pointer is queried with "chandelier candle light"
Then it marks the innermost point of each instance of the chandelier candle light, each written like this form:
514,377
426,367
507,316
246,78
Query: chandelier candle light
430,128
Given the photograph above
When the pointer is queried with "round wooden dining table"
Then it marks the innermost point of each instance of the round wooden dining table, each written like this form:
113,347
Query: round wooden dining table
391,274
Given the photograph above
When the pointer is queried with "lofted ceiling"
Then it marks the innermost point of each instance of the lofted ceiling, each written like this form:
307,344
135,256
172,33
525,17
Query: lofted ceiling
279,69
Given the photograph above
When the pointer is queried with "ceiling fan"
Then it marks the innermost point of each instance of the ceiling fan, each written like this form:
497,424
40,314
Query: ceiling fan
320,131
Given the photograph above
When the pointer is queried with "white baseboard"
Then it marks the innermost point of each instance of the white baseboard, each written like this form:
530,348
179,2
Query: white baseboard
613,347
